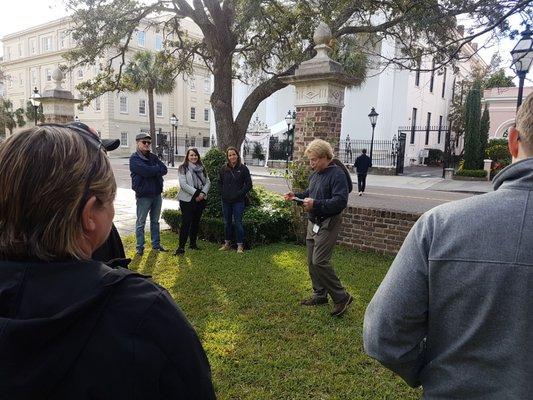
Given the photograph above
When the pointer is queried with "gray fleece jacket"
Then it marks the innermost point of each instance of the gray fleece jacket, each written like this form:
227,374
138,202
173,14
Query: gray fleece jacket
455,311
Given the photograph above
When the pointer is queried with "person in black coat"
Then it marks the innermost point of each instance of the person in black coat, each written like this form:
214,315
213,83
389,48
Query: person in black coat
362,164
72,327
234,183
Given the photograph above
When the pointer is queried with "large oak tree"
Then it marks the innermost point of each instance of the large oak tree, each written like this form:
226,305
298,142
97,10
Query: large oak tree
259,41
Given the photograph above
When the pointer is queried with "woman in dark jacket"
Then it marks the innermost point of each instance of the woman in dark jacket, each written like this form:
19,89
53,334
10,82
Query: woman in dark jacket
194,185
71,327
234,183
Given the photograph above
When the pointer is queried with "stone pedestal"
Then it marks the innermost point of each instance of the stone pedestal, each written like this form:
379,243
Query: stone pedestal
320,84
486,166
448,173
58,103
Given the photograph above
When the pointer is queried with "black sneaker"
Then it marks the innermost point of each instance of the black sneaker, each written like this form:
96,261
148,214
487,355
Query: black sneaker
314,301
161,249
139,252
179,251
340,308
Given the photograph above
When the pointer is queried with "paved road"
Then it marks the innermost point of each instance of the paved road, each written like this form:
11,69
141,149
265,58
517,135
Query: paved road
392,198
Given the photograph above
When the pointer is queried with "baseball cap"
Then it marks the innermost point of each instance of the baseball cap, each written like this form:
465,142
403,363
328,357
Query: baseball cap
107,144
142,135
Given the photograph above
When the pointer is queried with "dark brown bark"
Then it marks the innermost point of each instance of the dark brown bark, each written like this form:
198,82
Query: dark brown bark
151,117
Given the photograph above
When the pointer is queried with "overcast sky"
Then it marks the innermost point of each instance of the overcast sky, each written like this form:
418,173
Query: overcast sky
17,15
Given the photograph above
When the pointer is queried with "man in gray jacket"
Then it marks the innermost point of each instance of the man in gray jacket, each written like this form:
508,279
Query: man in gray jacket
325,199
455,311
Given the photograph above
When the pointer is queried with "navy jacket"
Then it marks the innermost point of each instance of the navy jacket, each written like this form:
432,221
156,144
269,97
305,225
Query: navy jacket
362,163
146,174
81,330
234,183
329,190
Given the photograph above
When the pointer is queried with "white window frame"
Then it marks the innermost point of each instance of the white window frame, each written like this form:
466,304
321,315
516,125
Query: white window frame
49,45
80,73
159,109
142,103
7,53
63,40
158,42
122,144
141,42
47,75
206,114
192,83
193,113
21,79
33,77
120,109
20,50
97,104
207,85
32,45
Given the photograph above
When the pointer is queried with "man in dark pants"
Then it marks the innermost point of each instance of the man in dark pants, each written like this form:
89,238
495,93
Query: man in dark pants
325,199
362,164
147,181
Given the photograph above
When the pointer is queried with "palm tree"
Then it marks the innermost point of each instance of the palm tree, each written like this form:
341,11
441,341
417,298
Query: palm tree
151,73
9,118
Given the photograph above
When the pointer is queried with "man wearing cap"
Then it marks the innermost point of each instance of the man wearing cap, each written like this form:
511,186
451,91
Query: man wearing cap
147,181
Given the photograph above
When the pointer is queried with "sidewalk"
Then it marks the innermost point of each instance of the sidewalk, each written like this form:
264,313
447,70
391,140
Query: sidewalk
405,182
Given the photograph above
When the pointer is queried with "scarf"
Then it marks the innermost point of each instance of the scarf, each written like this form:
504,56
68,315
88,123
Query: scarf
198,177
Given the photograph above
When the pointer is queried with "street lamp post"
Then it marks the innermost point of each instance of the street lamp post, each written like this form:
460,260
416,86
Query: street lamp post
174,124
373,116
35,102
290,118
522,58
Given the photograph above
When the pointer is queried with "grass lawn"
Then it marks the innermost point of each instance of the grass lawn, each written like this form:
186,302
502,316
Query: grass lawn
260,342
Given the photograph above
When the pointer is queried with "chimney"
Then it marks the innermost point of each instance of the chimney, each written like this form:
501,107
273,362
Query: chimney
461,29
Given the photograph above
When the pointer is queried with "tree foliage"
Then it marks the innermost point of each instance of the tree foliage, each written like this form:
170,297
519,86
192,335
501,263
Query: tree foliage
260,41
10,118
473,141
498,79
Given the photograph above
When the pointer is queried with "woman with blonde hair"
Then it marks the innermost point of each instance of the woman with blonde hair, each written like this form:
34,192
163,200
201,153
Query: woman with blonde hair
194,185
71,327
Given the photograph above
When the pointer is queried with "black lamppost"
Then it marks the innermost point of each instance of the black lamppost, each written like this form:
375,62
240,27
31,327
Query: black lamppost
174,123
373,116
35,100
522,58
186,142
290,119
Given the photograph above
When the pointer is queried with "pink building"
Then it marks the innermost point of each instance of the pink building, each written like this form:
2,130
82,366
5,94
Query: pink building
502,108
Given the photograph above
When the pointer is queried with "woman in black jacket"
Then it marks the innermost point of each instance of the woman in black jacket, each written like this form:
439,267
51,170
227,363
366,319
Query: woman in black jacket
234,183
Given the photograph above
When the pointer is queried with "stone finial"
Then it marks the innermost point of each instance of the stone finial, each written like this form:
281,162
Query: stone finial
58,77
322,37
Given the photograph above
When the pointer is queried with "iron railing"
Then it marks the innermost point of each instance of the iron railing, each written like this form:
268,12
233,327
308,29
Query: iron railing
384,152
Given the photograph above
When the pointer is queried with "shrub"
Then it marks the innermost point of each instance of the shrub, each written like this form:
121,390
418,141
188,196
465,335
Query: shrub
435,157
171,192
474,173
213,160
269,220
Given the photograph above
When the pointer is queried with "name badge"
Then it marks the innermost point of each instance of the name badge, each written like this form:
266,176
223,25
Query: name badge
316,228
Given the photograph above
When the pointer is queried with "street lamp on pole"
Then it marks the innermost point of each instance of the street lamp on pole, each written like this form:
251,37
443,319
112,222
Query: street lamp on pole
522,58
35,100
174,123
290,119
373,116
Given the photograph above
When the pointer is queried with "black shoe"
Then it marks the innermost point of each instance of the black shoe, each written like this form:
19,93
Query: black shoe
194,247
140,252
314,301
179,251
340,308
161,249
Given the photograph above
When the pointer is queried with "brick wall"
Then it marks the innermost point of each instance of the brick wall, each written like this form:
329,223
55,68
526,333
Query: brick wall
382,231
317,122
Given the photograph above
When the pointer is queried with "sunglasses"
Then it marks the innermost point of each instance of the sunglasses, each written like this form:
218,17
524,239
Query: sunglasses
94,141
146,142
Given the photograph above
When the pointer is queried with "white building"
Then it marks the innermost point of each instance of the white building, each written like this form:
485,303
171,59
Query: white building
31,55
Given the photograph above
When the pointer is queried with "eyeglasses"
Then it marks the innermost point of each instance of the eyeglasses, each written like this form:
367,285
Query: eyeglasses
95,142
146,142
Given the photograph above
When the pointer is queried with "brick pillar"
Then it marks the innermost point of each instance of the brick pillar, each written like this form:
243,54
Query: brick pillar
320,84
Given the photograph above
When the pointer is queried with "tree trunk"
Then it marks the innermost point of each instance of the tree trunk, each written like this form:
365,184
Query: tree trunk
151,117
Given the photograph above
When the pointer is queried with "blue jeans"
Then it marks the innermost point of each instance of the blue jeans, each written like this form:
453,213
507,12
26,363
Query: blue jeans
145,205
233,211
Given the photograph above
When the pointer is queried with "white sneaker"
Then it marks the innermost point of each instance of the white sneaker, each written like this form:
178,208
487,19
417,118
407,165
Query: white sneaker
360,193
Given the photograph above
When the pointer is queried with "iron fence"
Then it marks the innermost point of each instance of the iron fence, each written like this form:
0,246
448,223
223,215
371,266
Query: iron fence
384,151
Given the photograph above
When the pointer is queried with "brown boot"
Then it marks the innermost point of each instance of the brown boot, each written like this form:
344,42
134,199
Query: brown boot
226,246
240,248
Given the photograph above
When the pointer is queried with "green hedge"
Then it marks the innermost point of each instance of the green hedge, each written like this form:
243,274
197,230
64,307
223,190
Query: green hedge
269,219
475,173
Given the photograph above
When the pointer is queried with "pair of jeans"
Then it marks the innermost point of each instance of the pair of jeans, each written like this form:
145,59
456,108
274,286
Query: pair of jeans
191,213
361,182
147,205
233,211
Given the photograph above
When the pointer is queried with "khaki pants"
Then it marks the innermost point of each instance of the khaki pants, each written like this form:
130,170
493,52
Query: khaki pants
319,250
